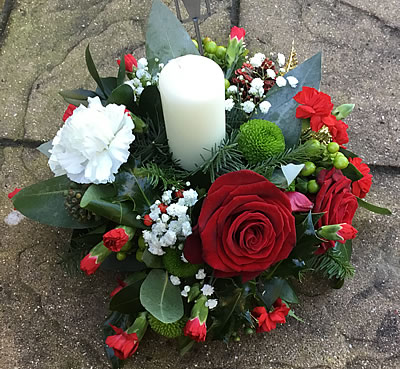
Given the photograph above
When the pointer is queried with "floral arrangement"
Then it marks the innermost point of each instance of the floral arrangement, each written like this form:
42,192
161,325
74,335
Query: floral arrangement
209,183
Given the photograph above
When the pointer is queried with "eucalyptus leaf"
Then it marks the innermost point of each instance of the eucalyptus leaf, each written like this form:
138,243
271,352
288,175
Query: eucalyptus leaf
373,208
44,202
45,147
152,261
127,300
283,106
166,38
160,297
277,288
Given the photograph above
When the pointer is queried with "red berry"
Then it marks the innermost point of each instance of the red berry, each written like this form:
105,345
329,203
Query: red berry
163,208
147,220
179,194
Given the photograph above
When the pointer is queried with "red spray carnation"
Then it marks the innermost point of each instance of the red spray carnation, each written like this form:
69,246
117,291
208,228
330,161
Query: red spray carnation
361,187
89,264
68,112
337,129
130,62
195,329
267,321
237,32
13,193
121,285
245,226
124,344
335,200
115,239
347,232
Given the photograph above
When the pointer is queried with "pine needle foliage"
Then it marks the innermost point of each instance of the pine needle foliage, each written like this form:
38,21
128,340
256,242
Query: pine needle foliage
168,177
332,265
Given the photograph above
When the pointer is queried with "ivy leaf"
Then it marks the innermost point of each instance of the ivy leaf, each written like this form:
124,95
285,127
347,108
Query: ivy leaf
166,38
44,202
283,106
160,297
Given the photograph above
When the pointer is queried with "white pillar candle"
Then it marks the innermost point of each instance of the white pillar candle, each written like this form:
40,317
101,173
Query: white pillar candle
192,93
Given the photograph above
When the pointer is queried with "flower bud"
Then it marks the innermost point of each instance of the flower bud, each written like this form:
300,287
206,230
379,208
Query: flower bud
337,232
92,261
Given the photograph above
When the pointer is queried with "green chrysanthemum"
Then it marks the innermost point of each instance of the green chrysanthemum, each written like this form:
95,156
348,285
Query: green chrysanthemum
260,139
175,266
170,330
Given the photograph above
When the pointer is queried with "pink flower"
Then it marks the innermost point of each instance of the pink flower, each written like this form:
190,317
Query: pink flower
68,112
237,33
195,329
89,264
299,202
130,61
124,344
115,239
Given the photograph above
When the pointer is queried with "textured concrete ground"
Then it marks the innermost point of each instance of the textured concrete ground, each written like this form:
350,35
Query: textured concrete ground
52,319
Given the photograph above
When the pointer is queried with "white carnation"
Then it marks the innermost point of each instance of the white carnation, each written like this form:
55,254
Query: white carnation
93,143
265,106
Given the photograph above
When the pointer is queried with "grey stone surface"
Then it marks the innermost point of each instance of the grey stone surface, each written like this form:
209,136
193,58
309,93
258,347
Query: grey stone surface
361,53
52,319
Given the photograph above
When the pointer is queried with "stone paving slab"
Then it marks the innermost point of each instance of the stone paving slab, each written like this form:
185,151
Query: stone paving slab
53,318
361,53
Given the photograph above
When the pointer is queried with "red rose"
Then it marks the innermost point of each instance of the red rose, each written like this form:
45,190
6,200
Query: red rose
238,33
115,239
267,321
245,226
336,200
68,112
13,193
89,264
361,187
315,105
195,330
124,344
130,61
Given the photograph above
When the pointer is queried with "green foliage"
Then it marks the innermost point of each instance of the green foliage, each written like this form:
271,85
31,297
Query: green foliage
168,177
343,111
44,202
373,208
170,330
260,139
352,172
160,297
283,109
276,288
166,38
78,96
175,266
335,263
127,301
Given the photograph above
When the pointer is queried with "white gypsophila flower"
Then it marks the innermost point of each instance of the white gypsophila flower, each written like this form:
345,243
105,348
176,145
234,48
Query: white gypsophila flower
257,60
257,83
281,59
93,143
207,290
281,81
271,73
164,218
168,239
211,303
190,197
256,91
166,197
136,82
265,106
185,291
175,280
229,104
200,274
14,218
142,63
282,70
139,90
155,212
232,90
186,229
159,228
248,106
176,210
184,259
293,81
131,84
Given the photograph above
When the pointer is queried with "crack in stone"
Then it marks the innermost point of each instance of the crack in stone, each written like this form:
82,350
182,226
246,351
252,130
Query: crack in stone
4,17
